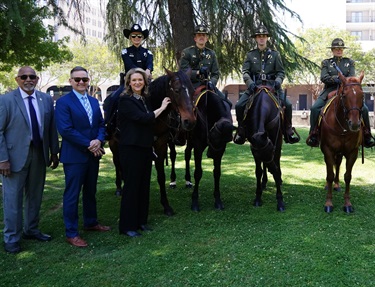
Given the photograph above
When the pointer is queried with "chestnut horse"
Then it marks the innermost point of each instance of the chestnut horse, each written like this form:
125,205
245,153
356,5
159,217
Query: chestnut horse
178,115
341,135
263,126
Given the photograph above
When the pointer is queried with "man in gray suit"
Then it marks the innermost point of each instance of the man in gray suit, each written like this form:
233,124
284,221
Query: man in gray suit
28,143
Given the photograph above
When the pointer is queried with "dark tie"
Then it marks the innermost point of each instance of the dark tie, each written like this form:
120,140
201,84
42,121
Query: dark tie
34,124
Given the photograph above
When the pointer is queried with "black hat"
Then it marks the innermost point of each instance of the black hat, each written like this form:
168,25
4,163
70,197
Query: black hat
337,43
200,29
135,28
260,30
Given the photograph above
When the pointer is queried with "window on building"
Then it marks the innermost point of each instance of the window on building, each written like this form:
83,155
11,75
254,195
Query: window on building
358,34
357,17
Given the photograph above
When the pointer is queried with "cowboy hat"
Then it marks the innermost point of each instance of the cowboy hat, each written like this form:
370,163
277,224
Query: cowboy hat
338,43
136,28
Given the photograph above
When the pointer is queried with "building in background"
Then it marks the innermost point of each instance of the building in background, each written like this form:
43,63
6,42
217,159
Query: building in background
360,21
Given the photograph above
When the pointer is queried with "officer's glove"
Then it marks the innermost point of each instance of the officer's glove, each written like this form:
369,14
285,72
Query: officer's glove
252,88
203,73
122,79
337,80
277,85
210,86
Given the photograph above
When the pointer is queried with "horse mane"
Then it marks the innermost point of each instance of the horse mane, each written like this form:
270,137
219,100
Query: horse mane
157,91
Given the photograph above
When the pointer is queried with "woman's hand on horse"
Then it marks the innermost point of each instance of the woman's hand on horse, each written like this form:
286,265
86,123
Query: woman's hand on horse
165,103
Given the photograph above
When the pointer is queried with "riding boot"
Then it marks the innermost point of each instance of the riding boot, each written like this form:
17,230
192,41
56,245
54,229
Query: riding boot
312,140
368,139
290,134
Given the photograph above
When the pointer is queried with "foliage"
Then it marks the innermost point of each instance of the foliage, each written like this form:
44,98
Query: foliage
240,246
230,35
24,38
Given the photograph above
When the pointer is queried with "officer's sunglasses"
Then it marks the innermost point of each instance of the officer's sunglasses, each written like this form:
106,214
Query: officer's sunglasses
137,36
24,77
77,80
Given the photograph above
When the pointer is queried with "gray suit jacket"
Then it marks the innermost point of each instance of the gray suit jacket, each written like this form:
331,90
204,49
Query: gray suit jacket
15,131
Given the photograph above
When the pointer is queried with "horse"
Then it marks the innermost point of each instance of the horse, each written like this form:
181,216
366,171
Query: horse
179,115
213,129
263,128
341,135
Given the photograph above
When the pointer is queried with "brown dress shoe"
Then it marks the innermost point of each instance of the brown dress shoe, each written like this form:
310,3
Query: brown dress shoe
98,227
76,241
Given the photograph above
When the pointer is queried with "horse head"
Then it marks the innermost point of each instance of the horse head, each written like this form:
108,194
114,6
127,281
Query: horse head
181,92
351,96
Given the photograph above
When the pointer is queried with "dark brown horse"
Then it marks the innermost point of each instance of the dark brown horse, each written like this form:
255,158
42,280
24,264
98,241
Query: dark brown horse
179,115
263,126
341,135
213,131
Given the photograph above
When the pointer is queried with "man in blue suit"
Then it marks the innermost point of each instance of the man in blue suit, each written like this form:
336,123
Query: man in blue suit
28,144
80,123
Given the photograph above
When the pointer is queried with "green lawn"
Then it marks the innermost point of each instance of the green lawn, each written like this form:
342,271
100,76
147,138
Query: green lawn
240,246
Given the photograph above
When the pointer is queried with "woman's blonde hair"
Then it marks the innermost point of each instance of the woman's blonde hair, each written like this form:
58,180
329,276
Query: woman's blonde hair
128,88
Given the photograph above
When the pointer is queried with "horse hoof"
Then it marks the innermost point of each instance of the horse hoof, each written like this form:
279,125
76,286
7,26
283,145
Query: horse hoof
338,189
219,205
328,209
258,203
172,186
281,208
169,212
118,192
195,207
188,185
348,209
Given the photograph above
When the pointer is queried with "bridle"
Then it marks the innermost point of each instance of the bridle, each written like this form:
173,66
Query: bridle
345,109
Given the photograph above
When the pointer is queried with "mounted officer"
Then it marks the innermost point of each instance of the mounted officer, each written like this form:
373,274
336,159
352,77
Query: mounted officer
263,66
202,61
329,76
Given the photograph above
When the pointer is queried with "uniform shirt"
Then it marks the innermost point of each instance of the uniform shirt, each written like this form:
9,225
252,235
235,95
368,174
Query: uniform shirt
195,58
267,62
328,73
140,57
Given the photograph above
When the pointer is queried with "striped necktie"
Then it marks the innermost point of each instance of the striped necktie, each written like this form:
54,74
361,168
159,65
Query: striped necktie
86,105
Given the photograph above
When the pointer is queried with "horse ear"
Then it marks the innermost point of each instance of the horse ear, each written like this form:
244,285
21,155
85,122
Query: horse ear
361,76
188,72
342,77
168,72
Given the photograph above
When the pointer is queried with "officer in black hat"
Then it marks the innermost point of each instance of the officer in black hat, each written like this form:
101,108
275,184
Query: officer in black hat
329,76
263,65
136,56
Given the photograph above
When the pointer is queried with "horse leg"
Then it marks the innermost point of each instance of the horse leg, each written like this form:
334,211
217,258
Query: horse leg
278,181
217,174
113,146
328,207
348,208
258,193
264,178
159,165
197,177
172,155
188,150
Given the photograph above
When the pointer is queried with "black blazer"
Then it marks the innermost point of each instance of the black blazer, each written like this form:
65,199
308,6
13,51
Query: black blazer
135,124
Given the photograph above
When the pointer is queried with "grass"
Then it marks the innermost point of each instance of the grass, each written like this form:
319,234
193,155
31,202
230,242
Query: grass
240,246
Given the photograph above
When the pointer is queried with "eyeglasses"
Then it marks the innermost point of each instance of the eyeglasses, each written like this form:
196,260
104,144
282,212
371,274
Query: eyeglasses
24,77
135,36
77,80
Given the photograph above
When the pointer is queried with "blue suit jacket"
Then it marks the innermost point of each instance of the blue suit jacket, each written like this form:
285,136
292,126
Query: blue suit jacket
74,127
15,130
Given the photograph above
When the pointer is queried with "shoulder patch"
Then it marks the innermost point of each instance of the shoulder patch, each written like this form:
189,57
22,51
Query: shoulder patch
149,52
124,51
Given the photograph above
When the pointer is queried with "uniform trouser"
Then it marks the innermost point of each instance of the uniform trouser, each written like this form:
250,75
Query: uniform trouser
319,103
30,179
241,104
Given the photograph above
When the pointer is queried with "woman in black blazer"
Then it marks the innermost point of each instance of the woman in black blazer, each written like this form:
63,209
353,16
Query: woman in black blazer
135,123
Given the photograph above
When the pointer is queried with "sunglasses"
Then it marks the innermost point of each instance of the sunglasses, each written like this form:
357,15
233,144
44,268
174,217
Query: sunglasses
77,80
135,36
24,77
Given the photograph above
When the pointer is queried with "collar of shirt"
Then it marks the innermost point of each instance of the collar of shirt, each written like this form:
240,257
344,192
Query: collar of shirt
138,97
25,96
79,95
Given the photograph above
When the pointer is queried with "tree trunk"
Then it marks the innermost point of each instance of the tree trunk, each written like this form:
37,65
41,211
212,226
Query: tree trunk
181,18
